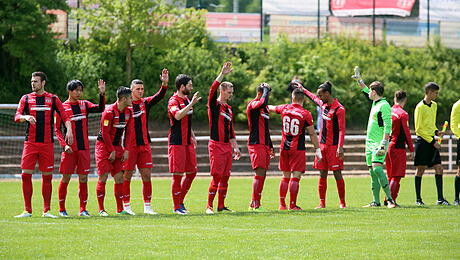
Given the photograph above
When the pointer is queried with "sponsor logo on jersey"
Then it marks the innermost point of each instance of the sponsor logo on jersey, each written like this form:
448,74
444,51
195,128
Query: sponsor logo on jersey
40,108
226,116
126,117
106,122
48,100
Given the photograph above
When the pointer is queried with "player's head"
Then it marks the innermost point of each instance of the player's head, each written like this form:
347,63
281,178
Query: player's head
75,88
184,84
376,90
137,87
124,96
324,91
400,97
293,84
260,89
431,90
226,91
298,96
38,81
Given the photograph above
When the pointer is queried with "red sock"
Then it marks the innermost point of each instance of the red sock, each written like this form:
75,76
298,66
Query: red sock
341,190
118,192
284,185
47,189
83,195
126,191
100,192
185,186
27,191
394,187
213,190
175,190
293,191
222,190
322,187
261,187
62,193
147,191
257,186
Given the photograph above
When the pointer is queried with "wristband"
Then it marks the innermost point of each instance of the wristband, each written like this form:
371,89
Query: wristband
360,80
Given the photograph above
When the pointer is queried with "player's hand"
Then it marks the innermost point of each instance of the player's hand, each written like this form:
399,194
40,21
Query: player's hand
69,136
125,156
357,75
437,145
236,153
68,149
227,68
272,153
194,142
30,119
340,152
411,156
266,85
380,151
318,154
112,156
164,77
101,86
195,98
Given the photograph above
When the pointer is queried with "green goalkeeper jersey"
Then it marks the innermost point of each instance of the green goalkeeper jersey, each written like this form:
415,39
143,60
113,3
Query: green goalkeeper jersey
379,122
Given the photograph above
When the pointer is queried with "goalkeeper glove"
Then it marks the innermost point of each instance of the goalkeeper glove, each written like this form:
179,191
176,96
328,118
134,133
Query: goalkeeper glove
381,149
318,154
357,76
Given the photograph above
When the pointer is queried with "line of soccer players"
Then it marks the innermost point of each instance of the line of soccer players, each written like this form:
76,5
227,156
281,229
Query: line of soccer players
124,142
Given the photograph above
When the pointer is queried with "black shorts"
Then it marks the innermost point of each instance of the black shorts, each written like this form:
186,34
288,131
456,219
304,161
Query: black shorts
458,151
425,153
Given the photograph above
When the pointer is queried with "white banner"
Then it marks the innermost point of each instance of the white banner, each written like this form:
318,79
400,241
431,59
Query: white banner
444,10
296,7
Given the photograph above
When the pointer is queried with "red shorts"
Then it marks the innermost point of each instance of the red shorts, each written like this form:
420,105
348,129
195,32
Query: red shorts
220,158
182,158
43,152
330,160
142,156
396,162
102,159
292,160
260,155
77,159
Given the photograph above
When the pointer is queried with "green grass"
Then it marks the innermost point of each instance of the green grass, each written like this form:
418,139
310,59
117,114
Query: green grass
409,232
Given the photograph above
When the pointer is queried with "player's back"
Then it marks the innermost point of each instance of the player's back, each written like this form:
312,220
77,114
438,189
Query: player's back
294,119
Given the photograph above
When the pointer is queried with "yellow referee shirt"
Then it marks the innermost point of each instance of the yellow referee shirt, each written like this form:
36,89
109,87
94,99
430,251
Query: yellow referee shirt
425,120
455,119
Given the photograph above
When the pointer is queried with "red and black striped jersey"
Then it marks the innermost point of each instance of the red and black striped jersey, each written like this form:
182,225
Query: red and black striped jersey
333,121
78,113
220,117
258,115
295,119
42,108
113,124
400,133
141,109
180,132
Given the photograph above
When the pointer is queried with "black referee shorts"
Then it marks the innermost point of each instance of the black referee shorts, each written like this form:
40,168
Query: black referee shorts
425,153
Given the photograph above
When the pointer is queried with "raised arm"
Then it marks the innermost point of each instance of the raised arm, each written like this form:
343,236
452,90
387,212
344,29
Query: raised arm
212,99
92,108
164,77
311,96
359,80
263,101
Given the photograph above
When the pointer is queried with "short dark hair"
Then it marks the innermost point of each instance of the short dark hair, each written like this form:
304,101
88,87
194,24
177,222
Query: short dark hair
378,87
73,85
298,95
326,86
182,79
135,82
123,92
431,86
40,74
400,95
225,85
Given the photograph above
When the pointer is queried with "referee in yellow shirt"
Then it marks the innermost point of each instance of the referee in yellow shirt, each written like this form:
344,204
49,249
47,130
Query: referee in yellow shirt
455,127
426,148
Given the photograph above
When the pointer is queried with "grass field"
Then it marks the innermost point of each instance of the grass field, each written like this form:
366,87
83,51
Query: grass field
431,232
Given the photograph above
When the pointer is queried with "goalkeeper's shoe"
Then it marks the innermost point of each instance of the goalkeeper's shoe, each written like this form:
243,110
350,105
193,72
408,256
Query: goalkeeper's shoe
64,214
48,215
443,202
84,213
24,214
391,204
103,213
372,205
419,203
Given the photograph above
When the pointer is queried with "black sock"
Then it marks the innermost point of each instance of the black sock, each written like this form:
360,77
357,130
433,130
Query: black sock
438,178
457,186
418,187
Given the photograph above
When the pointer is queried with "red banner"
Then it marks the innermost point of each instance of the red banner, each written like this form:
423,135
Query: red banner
365,7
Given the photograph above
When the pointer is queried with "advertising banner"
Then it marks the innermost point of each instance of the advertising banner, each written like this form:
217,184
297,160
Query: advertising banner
296,7
231,27
365,7
441,10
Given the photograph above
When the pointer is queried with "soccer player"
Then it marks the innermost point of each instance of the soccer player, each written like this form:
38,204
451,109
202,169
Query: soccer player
77,155
110,155
426,148
260,145
378,132
142,153
400,135
455,126
331,139
181,141
292,151
222,139
37,109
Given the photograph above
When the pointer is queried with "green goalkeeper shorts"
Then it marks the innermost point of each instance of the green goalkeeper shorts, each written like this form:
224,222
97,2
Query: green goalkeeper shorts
371,154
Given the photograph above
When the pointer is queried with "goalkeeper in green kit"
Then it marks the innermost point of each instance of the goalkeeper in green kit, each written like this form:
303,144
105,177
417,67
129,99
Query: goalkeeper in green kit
378,132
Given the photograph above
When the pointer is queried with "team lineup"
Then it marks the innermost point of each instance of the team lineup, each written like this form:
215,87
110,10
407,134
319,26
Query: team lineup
123,142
